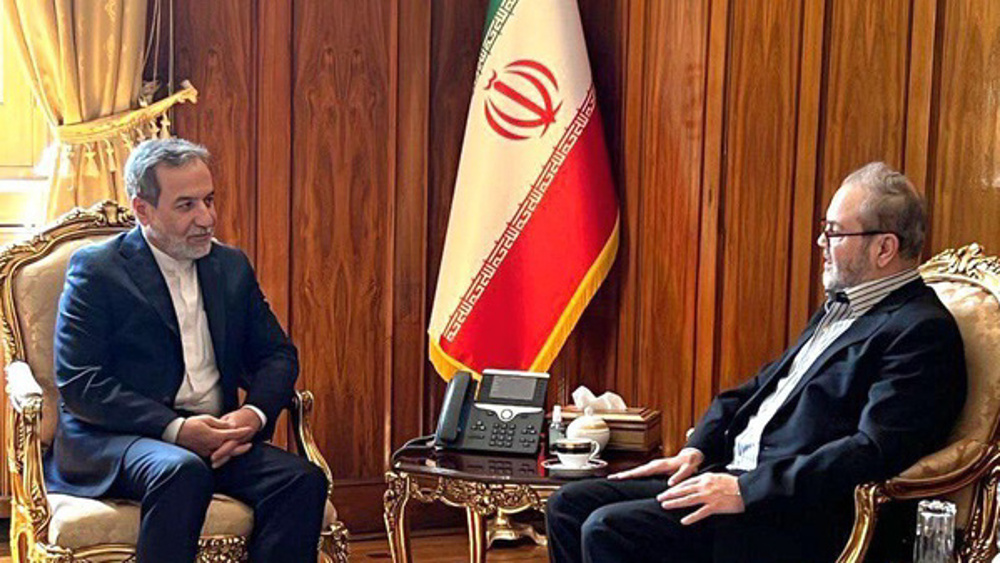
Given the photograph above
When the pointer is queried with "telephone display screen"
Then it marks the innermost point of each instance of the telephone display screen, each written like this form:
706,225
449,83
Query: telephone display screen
512,388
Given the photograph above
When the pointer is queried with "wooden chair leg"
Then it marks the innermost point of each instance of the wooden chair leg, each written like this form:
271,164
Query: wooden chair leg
867,500
334,547
981,532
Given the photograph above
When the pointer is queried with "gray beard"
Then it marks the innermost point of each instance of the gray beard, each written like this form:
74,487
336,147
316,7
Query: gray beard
177,249
848,276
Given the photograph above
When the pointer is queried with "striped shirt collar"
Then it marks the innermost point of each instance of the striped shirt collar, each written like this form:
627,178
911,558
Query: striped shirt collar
862,297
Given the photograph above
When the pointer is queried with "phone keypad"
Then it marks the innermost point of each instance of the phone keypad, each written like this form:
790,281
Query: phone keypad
489,432
503,434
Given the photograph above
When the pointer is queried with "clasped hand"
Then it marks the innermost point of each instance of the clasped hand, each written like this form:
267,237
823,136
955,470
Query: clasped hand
219,438
713,493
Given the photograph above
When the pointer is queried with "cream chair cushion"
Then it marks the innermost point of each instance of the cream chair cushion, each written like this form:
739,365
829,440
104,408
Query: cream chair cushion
37,287
977,313
83,522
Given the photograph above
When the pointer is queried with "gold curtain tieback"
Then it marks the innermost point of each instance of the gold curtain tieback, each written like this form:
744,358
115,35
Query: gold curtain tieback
125,129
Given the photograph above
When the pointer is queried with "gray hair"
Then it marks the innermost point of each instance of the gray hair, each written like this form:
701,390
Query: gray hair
140,169
892,205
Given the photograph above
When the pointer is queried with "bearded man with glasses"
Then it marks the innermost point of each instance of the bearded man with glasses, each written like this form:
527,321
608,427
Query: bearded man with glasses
874,383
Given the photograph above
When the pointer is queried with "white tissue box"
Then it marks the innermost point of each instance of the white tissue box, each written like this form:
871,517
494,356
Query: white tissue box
636,429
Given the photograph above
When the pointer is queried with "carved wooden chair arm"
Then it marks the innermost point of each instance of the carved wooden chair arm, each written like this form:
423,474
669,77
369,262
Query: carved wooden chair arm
301,411
905,488
24,446
23,390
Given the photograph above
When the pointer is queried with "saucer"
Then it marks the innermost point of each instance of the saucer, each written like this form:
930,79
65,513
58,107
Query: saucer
557,469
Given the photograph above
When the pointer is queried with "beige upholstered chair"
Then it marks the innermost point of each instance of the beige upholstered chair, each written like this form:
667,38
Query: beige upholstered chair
967,470
68,529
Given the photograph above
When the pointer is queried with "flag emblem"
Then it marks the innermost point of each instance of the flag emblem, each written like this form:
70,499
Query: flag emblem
521,99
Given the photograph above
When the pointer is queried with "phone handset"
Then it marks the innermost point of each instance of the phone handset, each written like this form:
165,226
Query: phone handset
458,399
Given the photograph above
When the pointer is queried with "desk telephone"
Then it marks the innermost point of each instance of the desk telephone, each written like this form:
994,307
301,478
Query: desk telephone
506,416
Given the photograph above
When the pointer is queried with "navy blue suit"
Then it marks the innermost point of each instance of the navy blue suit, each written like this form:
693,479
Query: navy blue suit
882,395
119,365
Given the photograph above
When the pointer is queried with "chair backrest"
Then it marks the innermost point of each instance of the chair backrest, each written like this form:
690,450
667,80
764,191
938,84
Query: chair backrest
31,279
968,283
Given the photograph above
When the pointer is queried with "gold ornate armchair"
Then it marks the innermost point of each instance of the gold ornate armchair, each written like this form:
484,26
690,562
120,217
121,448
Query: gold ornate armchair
63,528
967,470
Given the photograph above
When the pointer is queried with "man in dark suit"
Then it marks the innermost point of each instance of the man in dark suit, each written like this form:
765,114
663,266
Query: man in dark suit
875,382
156,330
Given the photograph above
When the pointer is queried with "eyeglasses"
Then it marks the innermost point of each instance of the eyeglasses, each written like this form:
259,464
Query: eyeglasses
827,234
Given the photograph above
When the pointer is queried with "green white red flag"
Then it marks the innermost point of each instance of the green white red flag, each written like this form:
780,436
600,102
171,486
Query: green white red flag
533,229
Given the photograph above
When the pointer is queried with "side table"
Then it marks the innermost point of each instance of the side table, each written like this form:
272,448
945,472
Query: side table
483,485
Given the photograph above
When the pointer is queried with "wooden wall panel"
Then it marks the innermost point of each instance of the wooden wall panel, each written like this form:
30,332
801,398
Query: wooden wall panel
222,67
966,196
625,272
868,42
757,193
805,263
409,278
342,188
709,234
274,150
923,37
672,148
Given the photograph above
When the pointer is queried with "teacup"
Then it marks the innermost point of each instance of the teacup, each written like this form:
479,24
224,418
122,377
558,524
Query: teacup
576,452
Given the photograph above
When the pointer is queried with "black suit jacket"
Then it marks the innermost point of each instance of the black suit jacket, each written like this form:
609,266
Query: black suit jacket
119,362
884,394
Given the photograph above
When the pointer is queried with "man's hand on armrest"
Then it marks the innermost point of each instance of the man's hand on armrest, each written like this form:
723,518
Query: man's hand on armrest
205,434
679,467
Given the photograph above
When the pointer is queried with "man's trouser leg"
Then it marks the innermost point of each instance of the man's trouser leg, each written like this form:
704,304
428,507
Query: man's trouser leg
174,486
287,494
608,521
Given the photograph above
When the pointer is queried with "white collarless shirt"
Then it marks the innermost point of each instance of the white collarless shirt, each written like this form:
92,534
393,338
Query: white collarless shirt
200,390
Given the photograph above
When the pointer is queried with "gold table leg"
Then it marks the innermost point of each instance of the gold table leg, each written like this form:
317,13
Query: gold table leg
502,528
478,498
477,535
397,527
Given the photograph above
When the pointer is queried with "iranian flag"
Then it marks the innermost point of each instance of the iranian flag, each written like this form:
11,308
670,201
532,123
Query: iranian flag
533,229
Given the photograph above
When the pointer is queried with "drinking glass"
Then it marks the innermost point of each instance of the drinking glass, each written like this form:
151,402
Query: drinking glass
935,542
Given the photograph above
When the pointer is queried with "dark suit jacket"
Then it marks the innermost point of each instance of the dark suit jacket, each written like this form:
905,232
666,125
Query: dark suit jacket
118,357
884,394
